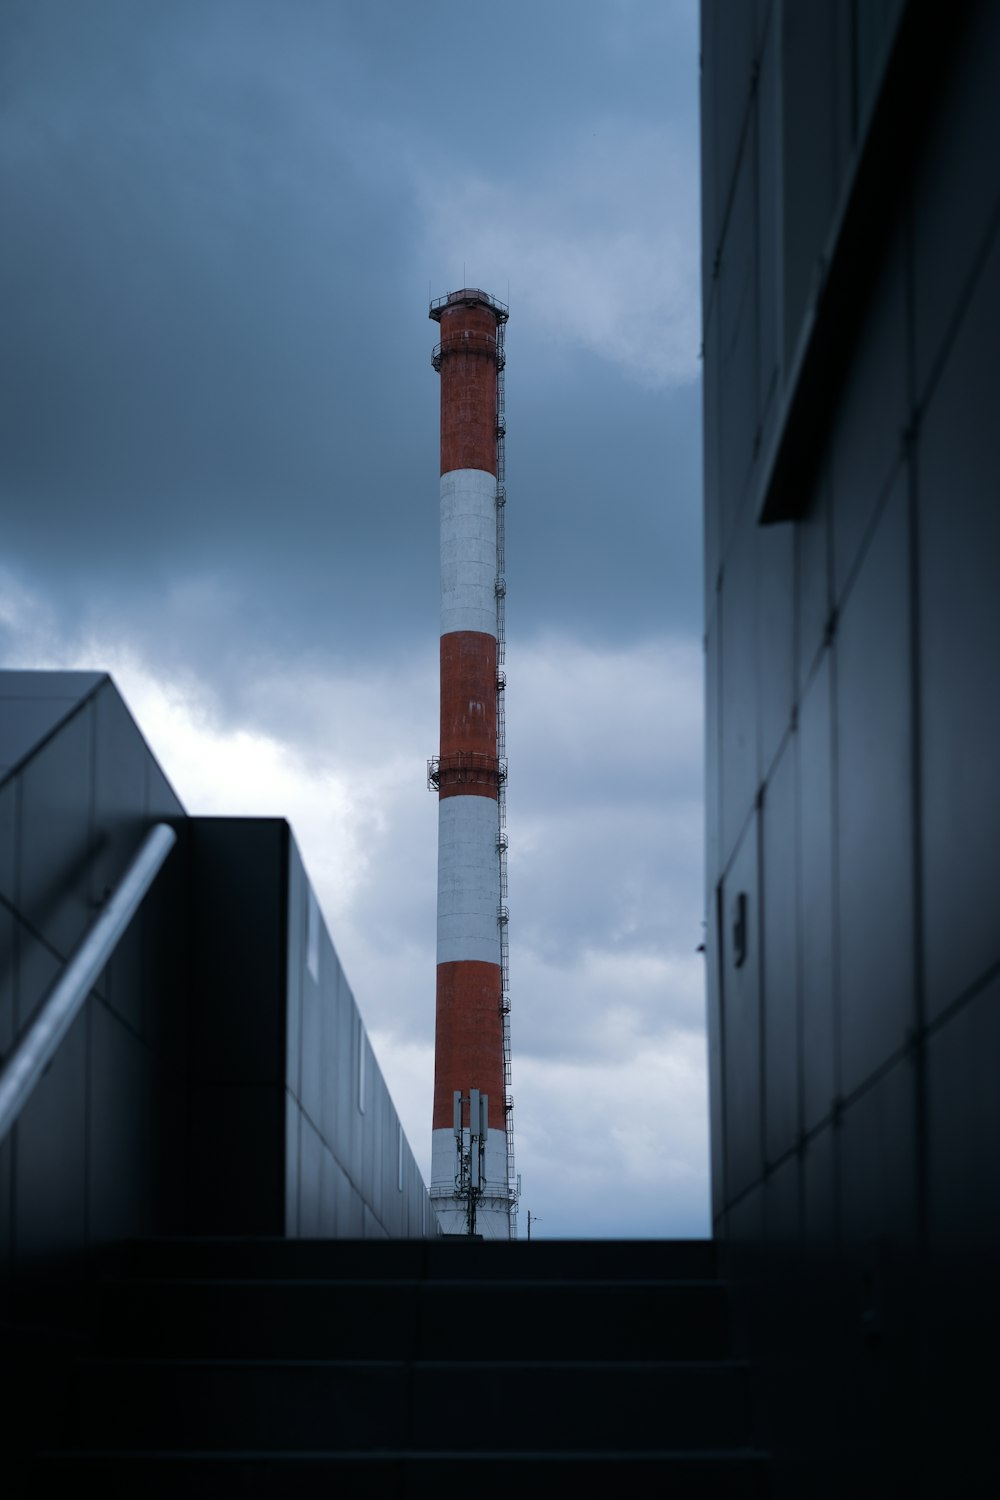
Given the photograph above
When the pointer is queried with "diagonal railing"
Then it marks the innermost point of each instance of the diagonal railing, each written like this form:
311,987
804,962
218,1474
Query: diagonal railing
38,1046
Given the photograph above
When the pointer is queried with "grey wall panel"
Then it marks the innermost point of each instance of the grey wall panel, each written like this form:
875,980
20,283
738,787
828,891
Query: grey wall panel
729,90
310,1173
714,959
98,1148
236,1161
775,569
121,1184
55,795
327,1219
122,983
874,800
372,1157
238,912
963,1126
745,1217
712,418
960,643
783,1204
819,1189
764,14
741,1021
6,1226
35,704
878,1161
956,192
815,907
337,1078
874,412
738,683
50,1139
119,790
25,725
889,466
8,869
712,762
357,1092
36,968
171,1145
9,791
166,968
709,206
299,957
352,1125
737,349
811,77
161,799
372,1227
350,1215
319,999
293,1155
347,1113
68,688
779,960
877,1354
767,151
306,1128
813,581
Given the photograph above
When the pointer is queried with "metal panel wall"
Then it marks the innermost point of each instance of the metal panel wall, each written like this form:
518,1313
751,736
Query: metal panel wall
211,1081
855,730
96,1154
292,1127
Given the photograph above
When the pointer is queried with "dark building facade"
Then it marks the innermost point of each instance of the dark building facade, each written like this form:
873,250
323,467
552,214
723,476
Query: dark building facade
851,305
218,1079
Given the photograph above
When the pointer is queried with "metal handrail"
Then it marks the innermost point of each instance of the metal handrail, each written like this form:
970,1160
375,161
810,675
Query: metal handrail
469,295
37,1047
467,767
470,342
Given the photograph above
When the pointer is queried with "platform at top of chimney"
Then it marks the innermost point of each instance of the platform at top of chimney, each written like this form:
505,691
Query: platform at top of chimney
470,296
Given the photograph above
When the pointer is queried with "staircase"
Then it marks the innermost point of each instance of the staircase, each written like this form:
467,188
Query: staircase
399,1368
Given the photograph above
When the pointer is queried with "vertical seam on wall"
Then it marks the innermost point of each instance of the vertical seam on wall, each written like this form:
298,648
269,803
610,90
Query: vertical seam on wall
15,1019
144,934
88,1008
834,813
919,1052
800,1090
288,853
720,931
755,266
730,195
720,946
962,304
758,819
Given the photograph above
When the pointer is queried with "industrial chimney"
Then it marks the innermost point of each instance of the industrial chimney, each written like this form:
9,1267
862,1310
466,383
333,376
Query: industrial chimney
473,1182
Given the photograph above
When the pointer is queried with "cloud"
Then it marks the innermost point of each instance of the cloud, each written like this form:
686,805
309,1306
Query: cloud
620,1146
599,243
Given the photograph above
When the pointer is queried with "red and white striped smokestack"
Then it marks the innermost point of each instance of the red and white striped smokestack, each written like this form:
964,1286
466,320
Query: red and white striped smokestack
473,1185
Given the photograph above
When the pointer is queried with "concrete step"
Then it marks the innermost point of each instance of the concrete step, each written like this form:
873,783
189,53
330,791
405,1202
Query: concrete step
406,1475
278,1367
409,1260
324,1406
401,1319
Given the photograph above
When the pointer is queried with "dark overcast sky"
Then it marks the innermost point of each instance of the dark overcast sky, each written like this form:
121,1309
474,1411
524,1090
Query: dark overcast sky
218,472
